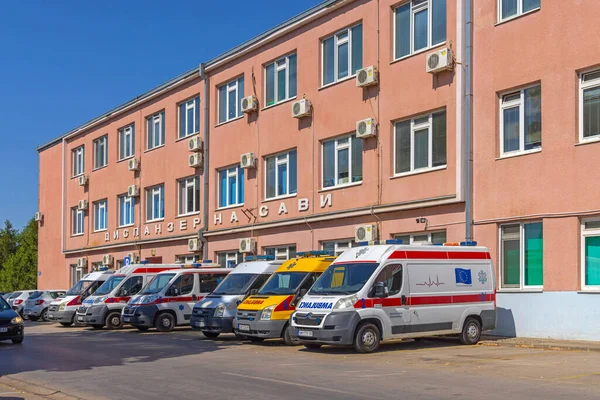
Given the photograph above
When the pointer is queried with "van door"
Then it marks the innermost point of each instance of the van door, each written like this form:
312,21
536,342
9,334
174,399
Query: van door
180,296
394,304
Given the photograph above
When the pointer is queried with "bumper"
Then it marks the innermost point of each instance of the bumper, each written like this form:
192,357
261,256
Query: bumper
142,316
94,315
212,324
12,332
33,311
61,316
264,329
337,329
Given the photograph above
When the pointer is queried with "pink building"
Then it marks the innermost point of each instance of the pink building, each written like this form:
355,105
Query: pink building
331,127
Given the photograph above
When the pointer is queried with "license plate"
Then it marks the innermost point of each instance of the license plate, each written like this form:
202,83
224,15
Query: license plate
200,324
126,319
80,319
3,329
305,333
244,327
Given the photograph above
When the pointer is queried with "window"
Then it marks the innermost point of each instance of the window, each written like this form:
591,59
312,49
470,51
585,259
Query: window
342,161
508,9
589,108
229,259
126,210
420,143
77,273
209,282
100,215
189,117
78,161
189,195
281,252
522,255
342,55
156,130
281,176
590,257
101,152
391,276
230,100
423,237
183,285
155,203
77,221
132,286
186,259
231,187
126,142
337,247
280,80
521,120
419,25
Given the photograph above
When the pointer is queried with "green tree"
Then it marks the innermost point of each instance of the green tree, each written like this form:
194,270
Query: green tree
8,242
20,269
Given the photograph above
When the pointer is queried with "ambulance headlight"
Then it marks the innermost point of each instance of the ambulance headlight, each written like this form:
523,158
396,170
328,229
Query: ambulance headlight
266,313
346,302
219,310
148,299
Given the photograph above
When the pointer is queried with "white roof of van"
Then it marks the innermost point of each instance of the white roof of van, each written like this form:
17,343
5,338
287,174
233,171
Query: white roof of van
132,267
380,253
257,267
196,270
96,275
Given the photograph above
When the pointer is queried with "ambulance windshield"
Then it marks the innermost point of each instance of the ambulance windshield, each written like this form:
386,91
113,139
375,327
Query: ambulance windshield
79,288
343,279
235,284
283,283
157,284
109,285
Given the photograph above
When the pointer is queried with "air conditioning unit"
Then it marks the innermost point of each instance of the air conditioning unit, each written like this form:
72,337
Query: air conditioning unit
82,262
440,60
82,180
133,164
249,104
82,205
366,128
195,144
301,108
365,233
38,216
248,245
193,245
248,160
107,260
195,160
367,76
133,191
133,258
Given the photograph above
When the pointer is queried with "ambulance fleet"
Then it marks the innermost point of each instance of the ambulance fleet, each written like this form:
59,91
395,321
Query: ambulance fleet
376,292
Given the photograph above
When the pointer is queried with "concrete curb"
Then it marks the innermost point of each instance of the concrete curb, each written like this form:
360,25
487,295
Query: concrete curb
36,389
540,344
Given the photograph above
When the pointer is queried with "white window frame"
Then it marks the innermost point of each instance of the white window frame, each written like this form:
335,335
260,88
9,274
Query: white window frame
185,183
337,42
126,199
522,286
339,246
336,149
413,11
231,86
585,233
150,193
281,252
230,174
78,155
231,255
97,206
413,234
76,228
187,259
152,122
104,161
280,159
126,134
77,273
277,68
582,87
187,105
519,11
520,102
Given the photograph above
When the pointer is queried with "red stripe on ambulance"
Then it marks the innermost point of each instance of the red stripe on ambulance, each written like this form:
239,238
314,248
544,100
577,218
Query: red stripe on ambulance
426,300
439,255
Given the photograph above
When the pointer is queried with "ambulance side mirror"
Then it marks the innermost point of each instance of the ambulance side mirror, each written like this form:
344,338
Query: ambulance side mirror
380,290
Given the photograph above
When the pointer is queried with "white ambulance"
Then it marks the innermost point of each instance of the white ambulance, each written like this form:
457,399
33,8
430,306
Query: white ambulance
387,290
105,306
167,301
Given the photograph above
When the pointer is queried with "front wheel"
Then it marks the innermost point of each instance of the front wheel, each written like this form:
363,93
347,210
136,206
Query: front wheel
164,322
366,338
211,335
44,315
471,332
113,321
288,339
18,340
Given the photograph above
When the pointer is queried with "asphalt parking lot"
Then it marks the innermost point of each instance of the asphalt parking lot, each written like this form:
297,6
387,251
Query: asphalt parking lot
128,364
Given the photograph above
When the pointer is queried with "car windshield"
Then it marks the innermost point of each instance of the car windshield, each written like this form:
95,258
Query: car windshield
283,283
235,284
4,305
79,288
343,279
157,284
36,294
109,285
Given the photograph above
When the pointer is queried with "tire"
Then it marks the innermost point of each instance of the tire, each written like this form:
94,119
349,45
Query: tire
366,338
142,328
471,332
65,324
19,340
97,327
44,315
113,321
312,346
211,335
164,322
288,339
256,339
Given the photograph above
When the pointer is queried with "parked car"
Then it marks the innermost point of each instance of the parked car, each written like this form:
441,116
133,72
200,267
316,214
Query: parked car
36,306
18,302
11,324
12,297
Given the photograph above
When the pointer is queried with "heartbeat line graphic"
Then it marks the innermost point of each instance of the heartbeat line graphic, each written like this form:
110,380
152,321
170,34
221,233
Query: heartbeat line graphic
431,283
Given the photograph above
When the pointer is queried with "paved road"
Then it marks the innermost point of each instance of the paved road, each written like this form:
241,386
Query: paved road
131,365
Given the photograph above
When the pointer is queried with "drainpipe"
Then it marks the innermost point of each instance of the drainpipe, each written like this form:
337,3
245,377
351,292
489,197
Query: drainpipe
205,169
468,61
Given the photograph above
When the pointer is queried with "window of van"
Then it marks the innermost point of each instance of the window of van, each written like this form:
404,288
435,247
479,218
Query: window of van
391,275
131,286
283,283
208,283
157,284
184,284
343,279
56,295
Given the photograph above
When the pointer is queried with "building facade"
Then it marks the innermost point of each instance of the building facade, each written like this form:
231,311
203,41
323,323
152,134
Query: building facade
130,183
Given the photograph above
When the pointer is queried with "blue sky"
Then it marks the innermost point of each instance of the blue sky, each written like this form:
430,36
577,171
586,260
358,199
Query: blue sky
65,62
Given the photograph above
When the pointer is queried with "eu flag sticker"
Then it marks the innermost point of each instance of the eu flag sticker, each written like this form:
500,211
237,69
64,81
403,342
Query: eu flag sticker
463,276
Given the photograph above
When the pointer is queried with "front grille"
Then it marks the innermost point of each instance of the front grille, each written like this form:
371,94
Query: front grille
53,308
82,310
203,312
309,319
128,310
247,315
